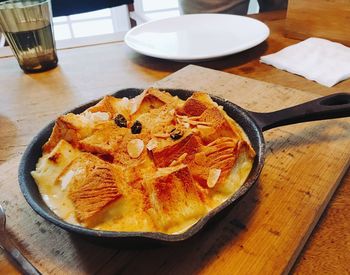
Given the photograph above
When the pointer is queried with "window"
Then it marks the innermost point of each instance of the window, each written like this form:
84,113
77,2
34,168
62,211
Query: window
101,22
146,10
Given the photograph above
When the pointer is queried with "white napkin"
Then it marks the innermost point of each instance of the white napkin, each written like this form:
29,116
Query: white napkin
316,59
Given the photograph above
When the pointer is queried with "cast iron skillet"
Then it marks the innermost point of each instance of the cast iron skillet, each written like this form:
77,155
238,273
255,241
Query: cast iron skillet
333,106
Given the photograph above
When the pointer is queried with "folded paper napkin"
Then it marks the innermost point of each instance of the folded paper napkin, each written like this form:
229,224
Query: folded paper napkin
316,59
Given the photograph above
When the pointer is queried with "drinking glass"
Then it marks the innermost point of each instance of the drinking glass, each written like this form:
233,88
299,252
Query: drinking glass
27,26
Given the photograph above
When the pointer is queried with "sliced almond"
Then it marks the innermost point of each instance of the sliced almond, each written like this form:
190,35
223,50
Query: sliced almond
136,102
133,106
182,157
181,116
194,120
199,123
162,135
188,117
204,130
135,147
186,125
152,144
213,177
122,104
179,160
88,117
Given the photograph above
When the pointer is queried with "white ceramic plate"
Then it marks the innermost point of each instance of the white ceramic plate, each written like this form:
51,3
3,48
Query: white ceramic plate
197,37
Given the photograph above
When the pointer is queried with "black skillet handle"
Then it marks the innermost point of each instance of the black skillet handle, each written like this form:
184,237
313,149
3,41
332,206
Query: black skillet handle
332,106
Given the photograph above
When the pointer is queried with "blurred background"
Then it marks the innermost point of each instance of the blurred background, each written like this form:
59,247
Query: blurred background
111,24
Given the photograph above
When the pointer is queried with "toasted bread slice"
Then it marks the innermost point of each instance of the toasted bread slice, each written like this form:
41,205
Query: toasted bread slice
231,159
50,166
104,140
93,187
234,179
112,106
197,104
221,154
107,104
131,212
164,156
216,126
175,198
151,99
72,128
157,120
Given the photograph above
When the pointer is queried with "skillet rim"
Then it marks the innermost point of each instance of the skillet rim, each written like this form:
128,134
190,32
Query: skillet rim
38,205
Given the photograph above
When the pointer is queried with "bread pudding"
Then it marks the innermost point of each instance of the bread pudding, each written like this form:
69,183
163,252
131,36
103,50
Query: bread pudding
153,163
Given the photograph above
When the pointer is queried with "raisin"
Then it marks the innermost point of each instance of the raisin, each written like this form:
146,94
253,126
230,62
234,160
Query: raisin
136,127
106,157
120,120
176,134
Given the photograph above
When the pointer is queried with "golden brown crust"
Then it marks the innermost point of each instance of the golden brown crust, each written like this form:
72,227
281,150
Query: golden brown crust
189,145
73,128
93,188
220,154
217,125
64,128
104,140
175,197
196,104
151,99
106,105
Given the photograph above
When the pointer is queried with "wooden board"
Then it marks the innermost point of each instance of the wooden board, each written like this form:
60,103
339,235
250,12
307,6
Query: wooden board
262,234
319,18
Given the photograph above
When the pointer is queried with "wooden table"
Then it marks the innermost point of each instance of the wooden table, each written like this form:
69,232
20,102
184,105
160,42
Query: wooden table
28,102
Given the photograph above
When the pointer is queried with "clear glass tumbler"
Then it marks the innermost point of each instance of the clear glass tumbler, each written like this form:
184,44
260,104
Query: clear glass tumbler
27,26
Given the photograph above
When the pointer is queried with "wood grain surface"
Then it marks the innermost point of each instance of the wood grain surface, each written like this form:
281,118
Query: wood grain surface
319,18
262,234
28,102
327,250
